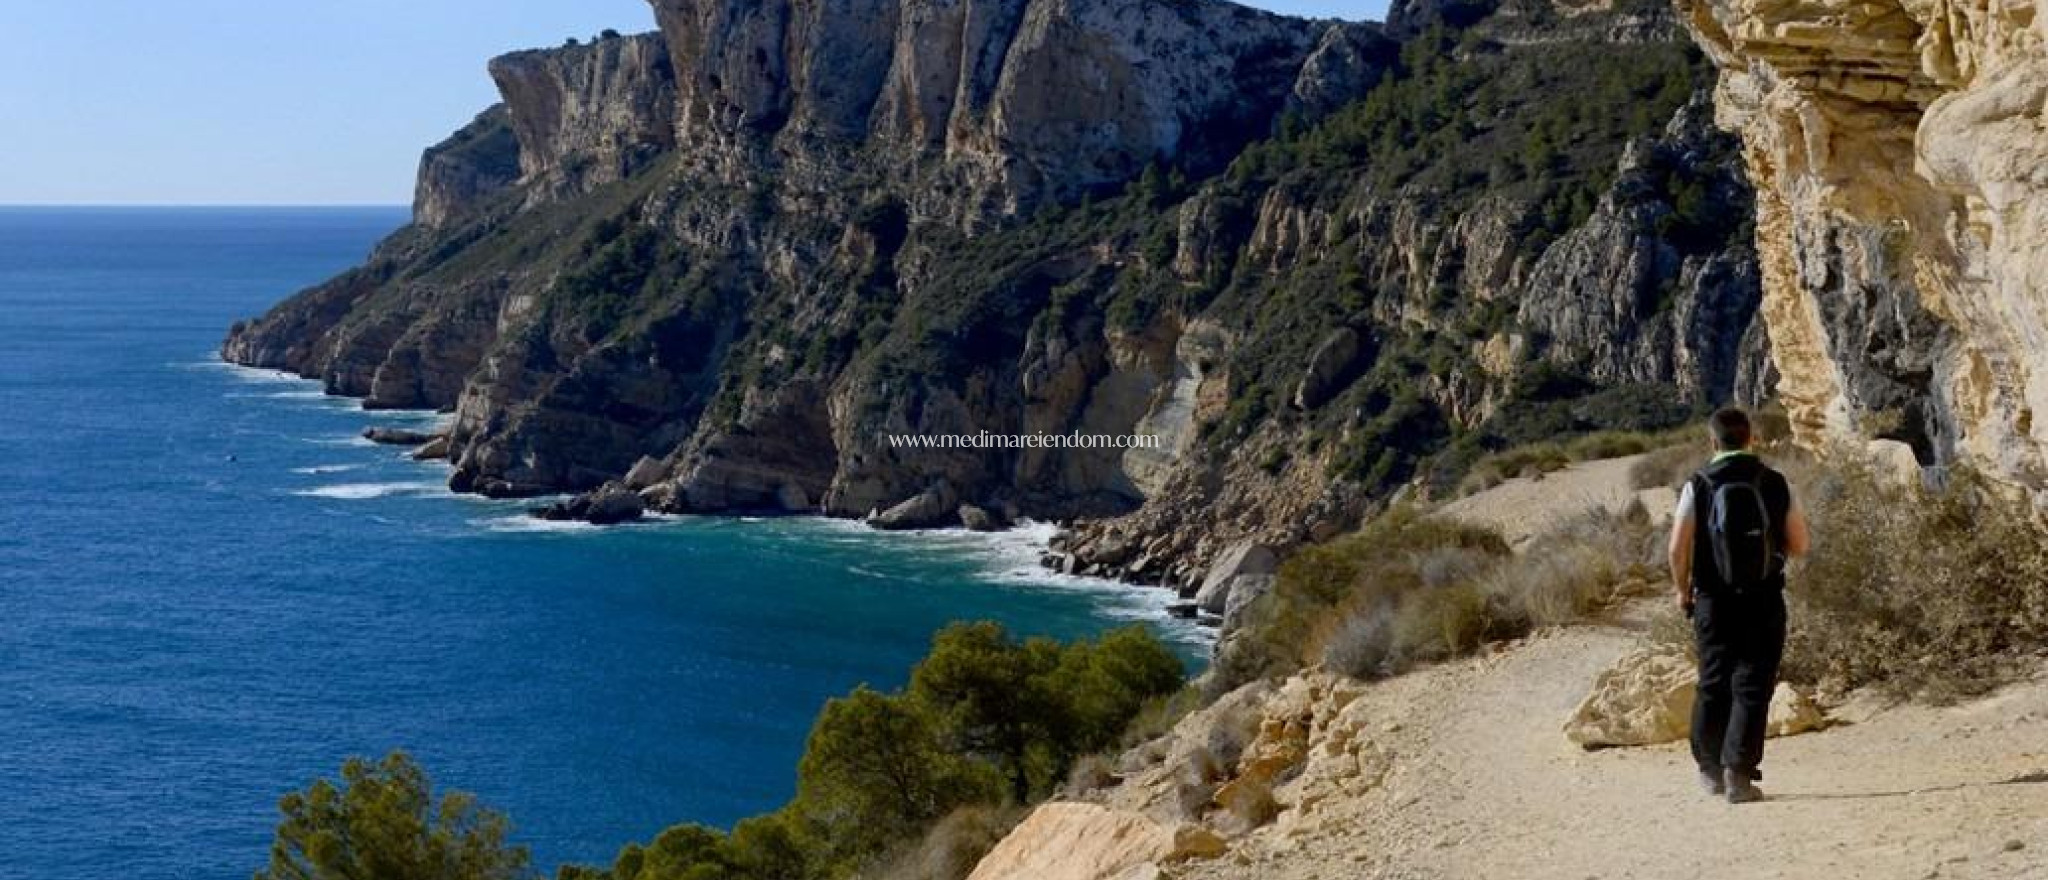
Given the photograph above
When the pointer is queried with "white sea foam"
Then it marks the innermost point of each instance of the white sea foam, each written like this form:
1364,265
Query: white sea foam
327,469
366,491
525,523
1012,557
350,440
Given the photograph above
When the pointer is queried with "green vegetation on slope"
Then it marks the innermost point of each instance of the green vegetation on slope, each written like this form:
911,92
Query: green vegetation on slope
1539,130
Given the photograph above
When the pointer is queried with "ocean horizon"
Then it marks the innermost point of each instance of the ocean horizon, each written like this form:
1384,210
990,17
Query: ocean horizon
216,590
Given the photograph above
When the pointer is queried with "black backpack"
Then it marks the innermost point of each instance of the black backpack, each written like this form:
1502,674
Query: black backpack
1739,531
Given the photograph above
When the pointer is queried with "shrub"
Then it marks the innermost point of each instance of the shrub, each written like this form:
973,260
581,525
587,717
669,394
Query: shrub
1533,460
1537,459
1566,574
1668,467
1610,444
1410,589
1929,593
1337,594
951,849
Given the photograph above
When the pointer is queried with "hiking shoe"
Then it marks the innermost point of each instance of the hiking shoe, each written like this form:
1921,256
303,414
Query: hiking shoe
1710,782
1741,790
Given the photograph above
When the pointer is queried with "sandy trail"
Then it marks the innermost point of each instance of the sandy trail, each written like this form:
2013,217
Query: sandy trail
1485,785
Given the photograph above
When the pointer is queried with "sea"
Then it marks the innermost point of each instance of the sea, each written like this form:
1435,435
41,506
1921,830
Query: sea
213,591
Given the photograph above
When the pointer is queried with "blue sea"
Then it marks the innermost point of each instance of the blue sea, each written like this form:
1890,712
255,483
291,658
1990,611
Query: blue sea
212,591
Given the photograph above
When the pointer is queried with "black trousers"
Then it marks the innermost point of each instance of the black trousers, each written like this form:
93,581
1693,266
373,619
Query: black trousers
1741,641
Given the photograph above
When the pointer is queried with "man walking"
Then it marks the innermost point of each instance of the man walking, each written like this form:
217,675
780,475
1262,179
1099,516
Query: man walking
1736,525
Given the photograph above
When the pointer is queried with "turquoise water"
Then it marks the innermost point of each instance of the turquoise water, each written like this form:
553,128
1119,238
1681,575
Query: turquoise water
211,591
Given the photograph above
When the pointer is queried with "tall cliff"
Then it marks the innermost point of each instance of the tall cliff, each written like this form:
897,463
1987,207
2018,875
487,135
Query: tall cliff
1901,164
721,264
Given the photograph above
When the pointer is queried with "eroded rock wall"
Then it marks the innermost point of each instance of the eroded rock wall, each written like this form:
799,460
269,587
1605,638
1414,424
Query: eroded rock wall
1901,161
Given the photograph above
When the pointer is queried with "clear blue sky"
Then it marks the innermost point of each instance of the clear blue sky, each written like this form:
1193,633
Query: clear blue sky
273,101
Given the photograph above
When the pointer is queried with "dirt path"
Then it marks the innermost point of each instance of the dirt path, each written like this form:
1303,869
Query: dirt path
1484,785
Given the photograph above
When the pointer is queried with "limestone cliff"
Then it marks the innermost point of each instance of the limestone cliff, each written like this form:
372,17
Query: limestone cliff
720,265
1898,149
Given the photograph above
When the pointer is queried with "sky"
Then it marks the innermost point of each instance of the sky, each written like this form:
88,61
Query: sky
274,102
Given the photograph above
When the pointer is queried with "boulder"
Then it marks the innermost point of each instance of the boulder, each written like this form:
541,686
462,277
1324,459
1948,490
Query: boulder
434,450
981,519
615,504
397,436
1894,460
1645,698
1243,590
1792,712
935,506
1246,559
1327,369
645,473
609,505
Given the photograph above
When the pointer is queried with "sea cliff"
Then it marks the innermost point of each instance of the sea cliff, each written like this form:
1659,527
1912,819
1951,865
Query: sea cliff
1325,263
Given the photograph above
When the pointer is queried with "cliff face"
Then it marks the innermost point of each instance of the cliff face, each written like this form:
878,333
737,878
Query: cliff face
1898,151
994,106
588,115
723,263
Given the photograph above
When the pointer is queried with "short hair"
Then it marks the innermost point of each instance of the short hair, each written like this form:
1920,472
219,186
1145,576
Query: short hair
1730,426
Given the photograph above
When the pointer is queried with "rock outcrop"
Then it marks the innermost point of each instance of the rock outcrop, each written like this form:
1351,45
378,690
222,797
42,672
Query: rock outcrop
459,176
588,114
1069,841
1902,215
398,437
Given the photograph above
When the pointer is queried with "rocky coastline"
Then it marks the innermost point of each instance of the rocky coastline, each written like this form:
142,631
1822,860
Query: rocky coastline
682,267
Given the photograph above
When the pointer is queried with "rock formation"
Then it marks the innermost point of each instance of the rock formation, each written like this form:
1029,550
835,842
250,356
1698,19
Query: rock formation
720,266
1646,699
1898,151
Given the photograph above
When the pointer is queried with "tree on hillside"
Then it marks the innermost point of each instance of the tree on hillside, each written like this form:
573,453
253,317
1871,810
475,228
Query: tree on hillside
1031,707
382,822
988,693
874,772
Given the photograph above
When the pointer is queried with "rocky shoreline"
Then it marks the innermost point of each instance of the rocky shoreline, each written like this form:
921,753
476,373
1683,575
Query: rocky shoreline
654,282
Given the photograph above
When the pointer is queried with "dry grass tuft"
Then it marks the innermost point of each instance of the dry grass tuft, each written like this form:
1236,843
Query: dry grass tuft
1410,589
951,849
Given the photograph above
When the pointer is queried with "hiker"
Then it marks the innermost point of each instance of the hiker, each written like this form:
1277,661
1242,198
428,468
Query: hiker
1736,525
